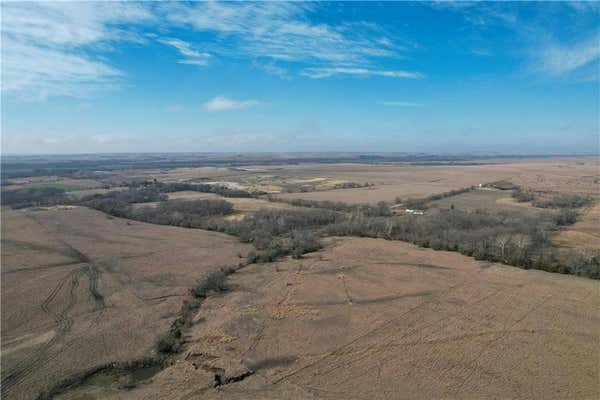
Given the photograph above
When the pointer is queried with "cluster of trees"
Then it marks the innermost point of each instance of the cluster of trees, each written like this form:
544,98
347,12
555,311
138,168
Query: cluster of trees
195,187
584,263
275,233
380,209
422,203
521,195
351,185
502,185
563,201
118,203
505,237
33,197
296,244
565,216
185,213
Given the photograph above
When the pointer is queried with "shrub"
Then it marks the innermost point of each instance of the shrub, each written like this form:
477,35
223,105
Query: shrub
584,263
168,343
566,216
214,281
303,242
522,196
564,201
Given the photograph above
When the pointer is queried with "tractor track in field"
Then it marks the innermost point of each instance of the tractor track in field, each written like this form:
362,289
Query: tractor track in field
61,316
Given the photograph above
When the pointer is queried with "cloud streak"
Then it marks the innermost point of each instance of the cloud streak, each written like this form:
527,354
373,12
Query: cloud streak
282,34
71,40
546,49
319,73
190,56
560,59
222,103
44,46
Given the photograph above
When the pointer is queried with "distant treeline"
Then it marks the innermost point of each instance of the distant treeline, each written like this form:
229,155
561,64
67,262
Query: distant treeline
119,203
422,203
33,197
381,209
563,201
186,213
195,187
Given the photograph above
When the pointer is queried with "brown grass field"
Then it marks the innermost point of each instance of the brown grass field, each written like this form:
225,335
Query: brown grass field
69,184
408,181
80,289
389,180
371,319
585,233
484,199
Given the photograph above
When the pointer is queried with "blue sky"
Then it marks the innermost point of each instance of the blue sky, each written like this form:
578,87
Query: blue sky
518,77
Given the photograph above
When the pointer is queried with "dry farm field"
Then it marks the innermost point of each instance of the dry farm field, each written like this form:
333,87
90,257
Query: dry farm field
371,319
81,289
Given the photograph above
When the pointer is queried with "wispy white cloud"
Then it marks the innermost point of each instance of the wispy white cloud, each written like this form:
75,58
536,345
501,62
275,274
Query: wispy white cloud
318,73
282,33
190,55
274,69
45,45
543,47
222,103
34,72
402,104
558,59
59,48
71,24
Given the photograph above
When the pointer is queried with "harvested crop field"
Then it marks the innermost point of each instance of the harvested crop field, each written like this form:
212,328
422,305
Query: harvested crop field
371,319
81,289
191,195
410,181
